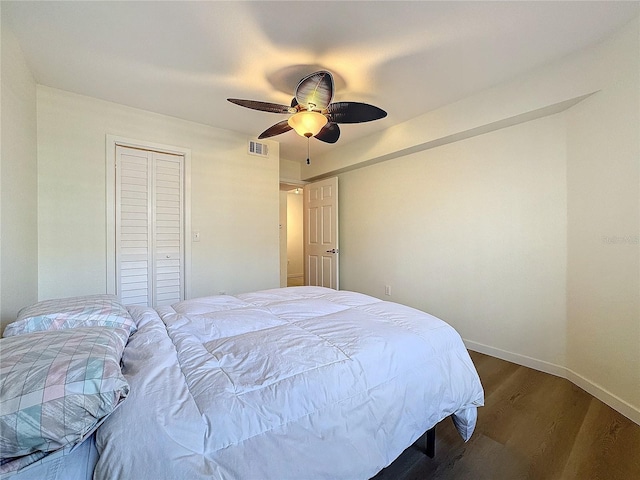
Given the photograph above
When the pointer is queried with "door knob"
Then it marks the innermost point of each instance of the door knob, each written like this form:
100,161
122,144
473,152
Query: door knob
333,250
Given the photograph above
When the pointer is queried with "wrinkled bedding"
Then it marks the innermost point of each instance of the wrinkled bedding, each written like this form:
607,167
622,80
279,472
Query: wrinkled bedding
302,382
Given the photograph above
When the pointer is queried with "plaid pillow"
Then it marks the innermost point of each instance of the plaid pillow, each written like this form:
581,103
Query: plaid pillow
55,389
85,311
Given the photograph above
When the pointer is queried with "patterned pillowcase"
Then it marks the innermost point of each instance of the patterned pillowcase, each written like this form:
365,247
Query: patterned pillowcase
55,389
85,311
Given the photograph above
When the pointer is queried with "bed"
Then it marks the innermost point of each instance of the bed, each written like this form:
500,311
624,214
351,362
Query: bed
299,382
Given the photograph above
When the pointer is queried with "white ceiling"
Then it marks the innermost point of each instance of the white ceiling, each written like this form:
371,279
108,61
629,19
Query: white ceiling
185,58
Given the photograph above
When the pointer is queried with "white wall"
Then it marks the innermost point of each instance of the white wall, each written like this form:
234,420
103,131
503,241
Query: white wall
234,197
289,170
473,232
18,182
283,238
603,186
295,241
513,214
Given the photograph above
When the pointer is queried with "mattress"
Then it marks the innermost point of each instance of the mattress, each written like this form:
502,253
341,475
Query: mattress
301,382
77,464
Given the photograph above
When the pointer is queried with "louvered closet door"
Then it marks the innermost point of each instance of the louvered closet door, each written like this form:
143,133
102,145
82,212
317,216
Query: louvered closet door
168,232
149,227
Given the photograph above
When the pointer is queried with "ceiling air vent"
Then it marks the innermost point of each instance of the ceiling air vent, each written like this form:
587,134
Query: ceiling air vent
257,148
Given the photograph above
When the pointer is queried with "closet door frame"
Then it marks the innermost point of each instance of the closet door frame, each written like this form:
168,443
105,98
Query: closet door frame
111,142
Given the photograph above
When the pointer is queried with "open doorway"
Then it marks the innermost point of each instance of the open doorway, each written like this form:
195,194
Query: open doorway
291,235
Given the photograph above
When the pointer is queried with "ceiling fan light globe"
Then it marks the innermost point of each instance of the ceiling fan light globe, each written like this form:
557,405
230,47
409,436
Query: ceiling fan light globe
307,124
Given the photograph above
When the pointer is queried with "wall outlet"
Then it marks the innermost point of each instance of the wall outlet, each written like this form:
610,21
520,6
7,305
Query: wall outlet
387,290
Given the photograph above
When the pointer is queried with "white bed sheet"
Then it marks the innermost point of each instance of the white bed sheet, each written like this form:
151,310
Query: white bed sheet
77,464
300,383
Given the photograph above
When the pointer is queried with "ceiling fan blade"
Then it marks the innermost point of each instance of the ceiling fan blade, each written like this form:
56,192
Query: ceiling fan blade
262,106
354,112
315,90
330,133
277,129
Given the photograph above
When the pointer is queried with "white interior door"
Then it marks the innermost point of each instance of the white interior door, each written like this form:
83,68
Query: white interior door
321,252
149,227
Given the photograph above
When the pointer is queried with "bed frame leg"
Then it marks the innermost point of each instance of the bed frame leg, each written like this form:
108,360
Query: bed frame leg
430,444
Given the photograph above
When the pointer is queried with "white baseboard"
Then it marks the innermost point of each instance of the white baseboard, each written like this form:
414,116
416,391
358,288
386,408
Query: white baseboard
605,396
602,394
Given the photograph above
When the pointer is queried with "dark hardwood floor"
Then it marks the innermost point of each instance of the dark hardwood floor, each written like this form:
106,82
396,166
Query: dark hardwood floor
533,426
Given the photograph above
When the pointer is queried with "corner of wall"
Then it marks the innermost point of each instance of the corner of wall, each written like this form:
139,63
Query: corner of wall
18,177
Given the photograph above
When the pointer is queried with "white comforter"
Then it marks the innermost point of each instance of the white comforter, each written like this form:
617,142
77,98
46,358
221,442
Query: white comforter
299,383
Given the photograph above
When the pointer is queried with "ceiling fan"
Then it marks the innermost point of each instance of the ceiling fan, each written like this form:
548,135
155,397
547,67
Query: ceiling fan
311,110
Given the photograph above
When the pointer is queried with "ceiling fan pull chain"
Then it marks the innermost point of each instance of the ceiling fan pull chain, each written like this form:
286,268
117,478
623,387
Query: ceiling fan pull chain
308,154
